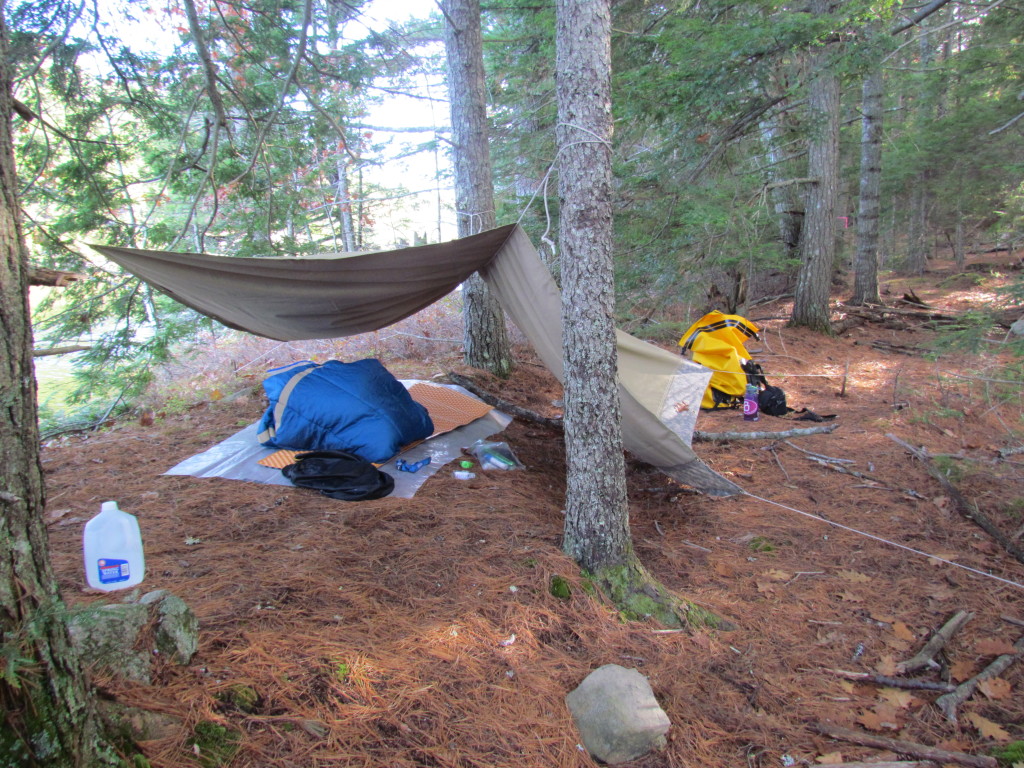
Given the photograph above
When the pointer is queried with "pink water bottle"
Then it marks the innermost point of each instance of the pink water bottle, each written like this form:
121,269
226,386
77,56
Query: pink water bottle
750,404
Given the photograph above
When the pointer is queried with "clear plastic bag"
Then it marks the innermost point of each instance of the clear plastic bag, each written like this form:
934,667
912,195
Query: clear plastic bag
494,455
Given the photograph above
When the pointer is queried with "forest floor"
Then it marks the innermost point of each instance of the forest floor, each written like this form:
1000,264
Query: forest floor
423,632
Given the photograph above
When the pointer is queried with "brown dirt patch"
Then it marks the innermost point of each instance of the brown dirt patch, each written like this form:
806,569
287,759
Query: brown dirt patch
381,633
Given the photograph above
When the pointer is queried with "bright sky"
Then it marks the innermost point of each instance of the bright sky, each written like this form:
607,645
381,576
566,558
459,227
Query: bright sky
429,211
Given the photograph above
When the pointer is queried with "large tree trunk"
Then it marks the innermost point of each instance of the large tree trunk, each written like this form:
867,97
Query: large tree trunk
486,337
596,515
865,262
813,284
49,716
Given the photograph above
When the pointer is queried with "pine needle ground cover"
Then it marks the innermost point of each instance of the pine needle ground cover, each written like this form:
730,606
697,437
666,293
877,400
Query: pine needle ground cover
427,632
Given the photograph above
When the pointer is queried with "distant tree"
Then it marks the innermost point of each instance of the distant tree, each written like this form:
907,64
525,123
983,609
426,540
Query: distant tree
865,262
486,338
814,281
49,717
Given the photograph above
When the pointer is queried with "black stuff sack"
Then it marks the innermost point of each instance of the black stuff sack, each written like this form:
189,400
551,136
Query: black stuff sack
772,400
340,475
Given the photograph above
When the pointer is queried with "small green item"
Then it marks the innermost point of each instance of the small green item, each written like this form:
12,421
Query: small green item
466,464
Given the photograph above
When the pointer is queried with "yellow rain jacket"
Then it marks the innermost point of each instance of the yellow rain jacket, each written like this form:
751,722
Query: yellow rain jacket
717,341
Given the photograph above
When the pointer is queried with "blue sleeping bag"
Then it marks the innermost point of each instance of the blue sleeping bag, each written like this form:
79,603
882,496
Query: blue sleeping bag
356,407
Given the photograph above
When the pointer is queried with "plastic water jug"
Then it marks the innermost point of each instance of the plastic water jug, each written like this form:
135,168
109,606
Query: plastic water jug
112,545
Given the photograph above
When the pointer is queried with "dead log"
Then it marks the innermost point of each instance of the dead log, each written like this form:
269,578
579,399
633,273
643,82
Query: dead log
912,298
949,702
53,277
504,405
968,512
901,747
925,657
908,683
709,436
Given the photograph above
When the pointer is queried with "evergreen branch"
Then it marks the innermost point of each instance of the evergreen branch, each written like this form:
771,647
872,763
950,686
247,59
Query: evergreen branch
58,40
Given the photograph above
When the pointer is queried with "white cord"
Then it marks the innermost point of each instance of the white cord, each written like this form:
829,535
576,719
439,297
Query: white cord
886,541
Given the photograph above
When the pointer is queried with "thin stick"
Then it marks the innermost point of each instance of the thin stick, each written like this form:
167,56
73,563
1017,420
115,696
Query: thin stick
699,435
948,702
966,511
846,374
925,657
854,473
905,747
886,764
818,455
892,682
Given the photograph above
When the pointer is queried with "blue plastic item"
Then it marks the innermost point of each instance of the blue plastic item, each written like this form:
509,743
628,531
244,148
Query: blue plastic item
404,466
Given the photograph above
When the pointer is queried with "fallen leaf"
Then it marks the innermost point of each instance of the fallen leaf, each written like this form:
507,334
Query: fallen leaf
846,685
939,592
888,715
882,617
996,688
765,587
987,728
942,502
870,720
854,576
776,575
962,670
994,647
832,758
886,666
902,631
724,569
897,697
951,556
849,597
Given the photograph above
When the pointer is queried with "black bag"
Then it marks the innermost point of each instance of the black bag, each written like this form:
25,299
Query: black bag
772,400
340,475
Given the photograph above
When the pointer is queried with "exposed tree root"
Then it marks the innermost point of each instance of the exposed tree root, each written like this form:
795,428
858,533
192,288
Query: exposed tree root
638,596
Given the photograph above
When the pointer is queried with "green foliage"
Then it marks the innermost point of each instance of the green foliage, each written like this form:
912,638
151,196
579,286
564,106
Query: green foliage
559,587
215,744
1009,754
761,544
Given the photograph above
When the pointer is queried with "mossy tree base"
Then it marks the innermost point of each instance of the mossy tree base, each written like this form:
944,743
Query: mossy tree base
638,596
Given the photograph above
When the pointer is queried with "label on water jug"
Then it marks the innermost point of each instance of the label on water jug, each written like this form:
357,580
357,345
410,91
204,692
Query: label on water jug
112,571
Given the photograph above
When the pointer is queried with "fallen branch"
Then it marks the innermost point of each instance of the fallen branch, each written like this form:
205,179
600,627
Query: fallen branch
901,747
700,435
504,405
854,473
821,456
892,682
950,701
966,511
926,656
886,346
886,764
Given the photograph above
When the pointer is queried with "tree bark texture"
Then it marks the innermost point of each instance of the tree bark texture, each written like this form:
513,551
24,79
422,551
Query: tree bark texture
597,514
814,281
918,248
49,717
486,337
865,262
786,198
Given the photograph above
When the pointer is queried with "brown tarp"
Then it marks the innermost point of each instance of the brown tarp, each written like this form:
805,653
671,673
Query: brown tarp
342,294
